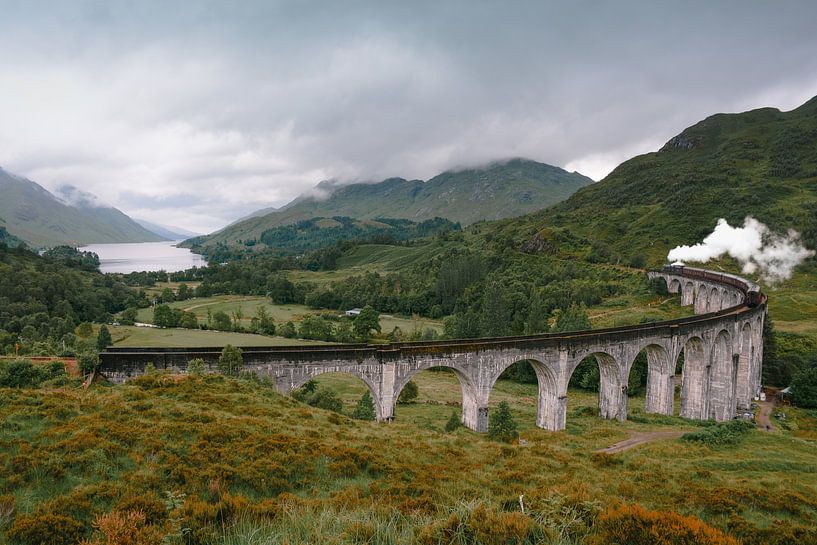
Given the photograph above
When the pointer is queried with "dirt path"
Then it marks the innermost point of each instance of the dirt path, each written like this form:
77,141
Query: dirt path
764,423
188,309
640,438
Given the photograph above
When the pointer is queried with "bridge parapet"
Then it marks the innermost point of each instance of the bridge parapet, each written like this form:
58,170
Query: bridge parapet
722,346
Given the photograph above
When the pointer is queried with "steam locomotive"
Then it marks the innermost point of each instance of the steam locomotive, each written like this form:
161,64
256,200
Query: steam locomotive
754,296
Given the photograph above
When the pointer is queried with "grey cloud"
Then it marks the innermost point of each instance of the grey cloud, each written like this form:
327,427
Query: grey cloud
251,103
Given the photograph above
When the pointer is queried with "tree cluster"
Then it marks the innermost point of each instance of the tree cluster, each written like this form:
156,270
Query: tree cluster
43,299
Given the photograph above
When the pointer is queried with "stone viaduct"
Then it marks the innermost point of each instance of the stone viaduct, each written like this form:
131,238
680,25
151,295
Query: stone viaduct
722,347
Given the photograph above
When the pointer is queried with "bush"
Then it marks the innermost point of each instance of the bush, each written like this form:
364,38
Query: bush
722,433
230,361
409,392
453,423
196,367
804,387
634,525
46,529
364,410
24,374
322,398
88,361
502,426
103,340
288,330
147,503
125,528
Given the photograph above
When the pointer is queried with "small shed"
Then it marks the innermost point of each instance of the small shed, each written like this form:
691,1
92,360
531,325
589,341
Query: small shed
353,312
785,396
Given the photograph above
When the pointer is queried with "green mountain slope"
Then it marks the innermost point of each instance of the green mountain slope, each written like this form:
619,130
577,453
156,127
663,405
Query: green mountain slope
761,163
8,239
36,216
318,233
499,190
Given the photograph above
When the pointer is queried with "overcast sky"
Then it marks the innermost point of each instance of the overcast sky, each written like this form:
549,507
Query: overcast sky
195,115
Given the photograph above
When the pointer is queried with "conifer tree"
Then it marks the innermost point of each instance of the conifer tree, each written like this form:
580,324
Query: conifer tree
453,422
103,340
364,410
502,426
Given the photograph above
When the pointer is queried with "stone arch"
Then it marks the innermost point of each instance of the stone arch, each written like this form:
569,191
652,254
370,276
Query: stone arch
746,353
673,285
660,379
383,413
612,388
722,378
551,403
694,379
701,298
688,294
714,301
474,409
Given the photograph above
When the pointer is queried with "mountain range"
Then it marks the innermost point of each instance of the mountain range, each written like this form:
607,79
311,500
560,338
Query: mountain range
39,218
498,190
760,163
168,232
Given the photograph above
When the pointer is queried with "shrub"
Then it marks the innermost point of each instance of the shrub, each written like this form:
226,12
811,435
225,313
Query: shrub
634,525
118,528
502,426
20,374
196,366
103,340
24,374
288,330
722,433
323,398
148,504
364,410
88,361
327,399
409,392
804,387
478,524
46,529
453,423
230,361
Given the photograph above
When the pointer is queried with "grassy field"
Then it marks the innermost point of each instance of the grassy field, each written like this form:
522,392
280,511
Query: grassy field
131,336
630,310
156,290
281,313
249,466
440,394
793,306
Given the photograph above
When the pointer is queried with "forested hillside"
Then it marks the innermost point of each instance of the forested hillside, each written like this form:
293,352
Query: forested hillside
761,163
34,215
499,190
43,299
317,233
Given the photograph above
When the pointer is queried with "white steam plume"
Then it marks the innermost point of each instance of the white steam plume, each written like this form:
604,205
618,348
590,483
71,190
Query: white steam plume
756,248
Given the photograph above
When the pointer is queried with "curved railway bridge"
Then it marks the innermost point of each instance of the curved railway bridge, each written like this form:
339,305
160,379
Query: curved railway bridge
722,346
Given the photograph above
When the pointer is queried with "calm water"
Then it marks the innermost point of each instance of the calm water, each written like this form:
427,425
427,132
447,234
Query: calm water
144,256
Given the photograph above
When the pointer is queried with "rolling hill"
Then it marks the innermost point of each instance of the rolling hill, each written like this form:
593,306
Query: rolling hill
316,233
761,163
498,190
37,217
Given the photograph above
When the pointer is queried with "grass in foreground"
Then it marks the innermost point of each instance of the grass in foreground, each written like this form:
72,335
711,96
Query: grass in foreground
218,460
